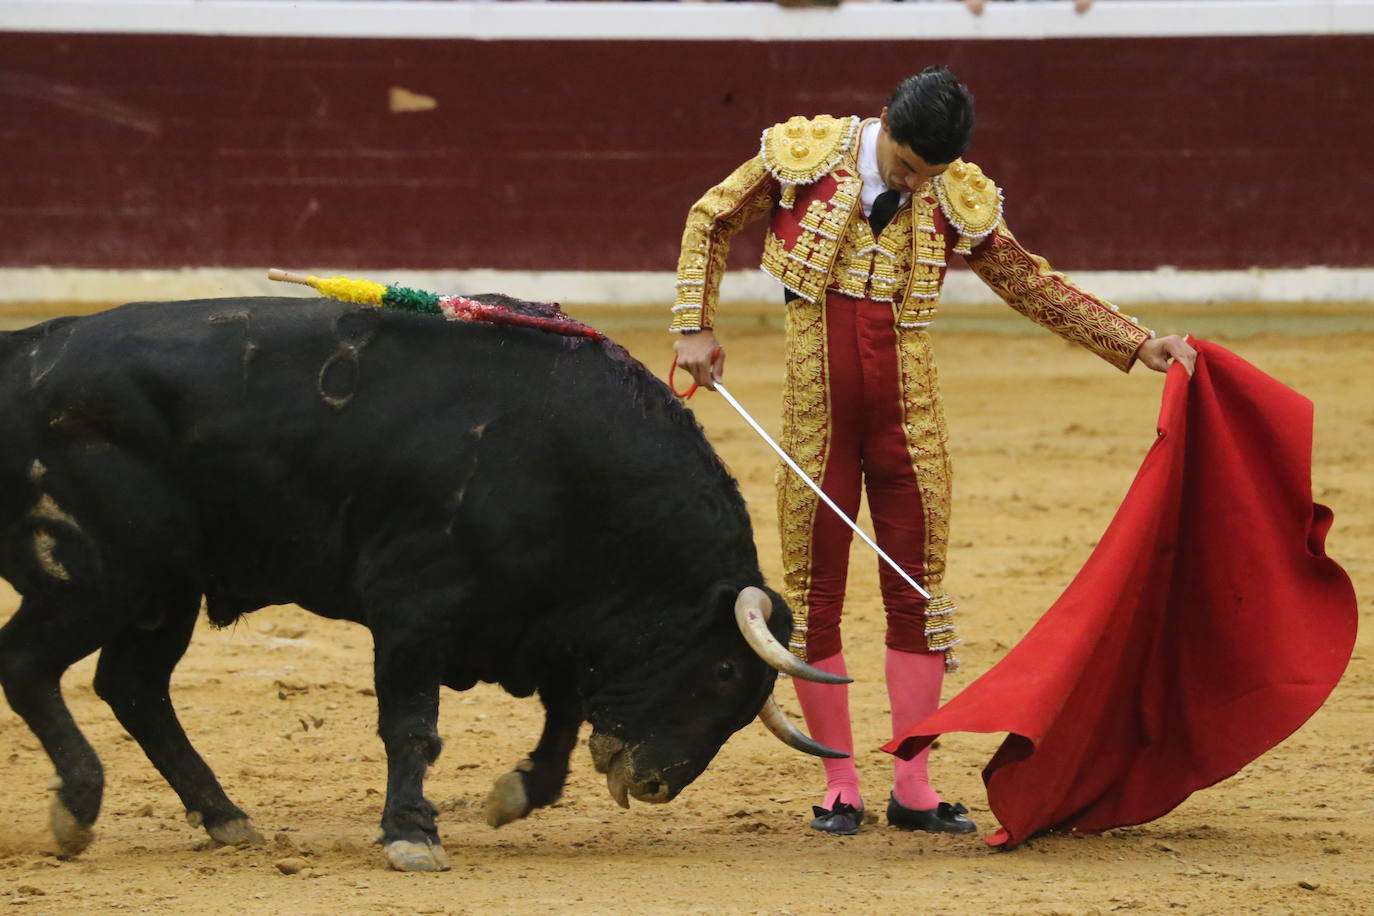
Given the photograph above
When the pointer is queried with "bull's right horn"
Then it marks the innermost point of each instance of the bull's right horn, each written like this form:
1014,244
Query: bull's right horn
776,721
752,608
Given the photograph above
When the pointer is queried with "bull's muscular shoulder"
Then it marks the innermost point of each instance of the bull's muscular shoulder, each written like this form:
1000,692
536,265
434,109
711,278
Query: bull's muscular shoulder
803,150
970,200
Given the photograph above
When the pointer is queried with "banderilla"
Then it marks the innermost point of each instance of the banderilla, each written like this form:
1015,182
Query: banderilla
796,469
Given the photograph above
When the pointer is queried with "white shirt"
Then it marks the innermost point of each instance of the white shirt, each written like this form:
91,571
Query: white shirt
868,169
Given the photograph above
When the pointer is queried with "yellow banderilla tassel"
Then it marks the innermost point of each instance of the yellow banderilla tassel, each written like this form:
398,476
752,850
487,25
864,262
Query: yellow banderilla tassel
346,289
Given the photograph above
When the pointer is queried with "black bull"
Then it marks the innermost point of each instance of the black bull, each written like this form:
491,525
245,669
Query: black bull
493,503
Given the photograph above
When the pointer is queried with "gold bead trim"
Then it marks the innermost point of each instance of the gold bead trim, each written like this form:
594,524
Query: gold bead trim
802,151
971,201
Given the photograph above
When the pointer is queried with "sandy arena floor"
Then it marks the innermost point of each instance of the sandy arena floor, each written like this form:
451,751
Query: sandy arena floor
1046,441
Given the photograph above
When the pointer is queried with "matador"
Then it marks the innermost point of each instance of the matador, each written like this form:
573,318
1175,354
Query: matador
864,218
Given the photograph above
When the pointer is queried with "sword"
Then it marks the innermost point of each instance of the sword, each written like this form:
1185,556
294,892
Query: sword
787,459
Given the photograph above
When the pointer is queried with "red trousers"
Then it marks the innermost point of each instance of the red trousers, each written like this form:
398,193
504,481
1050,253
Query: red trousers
862,408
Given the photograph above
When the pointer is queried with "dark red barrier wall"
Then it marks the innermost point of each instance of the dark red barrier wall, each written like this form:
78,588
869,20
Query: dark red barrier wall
140,151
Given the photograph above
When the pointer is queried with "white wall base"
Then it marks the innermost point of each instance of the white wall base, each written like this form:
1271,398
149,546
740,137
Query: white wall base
20,286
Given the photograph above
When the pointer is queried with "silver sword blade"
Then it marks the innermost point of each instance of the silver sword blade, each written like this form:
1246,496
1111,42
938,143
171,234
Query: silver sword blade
819,492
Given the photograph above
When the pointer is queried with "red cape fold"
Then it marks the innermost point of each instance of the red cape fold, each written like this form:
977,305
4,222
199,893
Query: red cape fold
1205,628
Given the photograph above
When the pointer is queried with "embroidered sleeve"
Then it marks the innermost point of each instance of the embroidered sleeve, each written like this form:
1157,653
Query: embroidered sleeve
1028,284
722,211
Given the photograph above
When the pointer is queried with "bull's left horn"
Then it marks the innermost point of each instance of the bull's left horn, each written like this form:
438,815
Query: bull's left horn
752,608
776,721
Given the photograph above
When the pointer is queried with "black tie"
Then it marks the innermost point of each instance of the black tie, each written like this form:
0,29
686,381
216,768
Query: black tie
883,208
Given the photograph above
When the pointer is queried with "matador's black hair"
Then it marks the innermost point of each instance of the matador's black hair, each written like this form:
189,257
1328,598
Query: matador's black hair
932,114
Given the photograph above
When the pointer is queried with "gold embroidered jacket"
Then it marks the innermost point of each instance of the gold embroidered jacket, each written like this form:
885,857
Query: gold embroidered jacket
806,177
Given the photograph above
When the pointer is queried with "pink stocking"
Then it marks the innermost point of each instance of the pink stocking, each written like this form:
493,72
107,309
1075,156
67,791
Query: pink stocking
913,690
826,708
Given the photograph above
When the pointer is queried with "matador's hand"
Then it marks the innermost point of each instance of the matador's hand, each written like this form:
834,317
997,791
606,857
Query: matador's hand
1158,352
699,353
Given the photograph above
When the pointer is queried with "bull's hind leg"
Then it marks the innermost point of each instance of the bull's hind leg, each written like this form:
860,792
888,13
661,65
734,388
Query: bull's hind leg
38,644
538,780
133,676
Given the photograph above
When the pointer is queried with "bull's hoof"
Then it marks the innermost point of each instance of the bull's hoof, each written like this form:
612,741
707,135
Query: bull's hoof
238,832
507,801
72,836
407,855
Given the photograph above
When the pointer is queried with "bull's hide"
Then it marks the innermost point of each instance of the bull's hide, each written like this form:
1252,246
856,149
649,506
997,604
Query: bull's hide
494,503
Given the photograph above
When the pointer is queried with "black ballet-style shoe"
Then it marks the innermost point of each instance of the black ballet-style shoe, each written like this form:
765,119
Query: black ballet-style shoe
843,819
944,818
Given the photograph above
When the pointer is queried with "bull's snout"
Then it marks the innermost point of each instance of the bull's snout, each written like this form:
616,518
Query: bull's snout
652,790
624,784
612,757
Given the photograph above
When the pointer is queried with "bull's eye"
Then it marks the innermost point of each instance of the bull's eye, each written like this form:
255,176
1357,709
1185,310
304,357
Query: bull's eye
726,671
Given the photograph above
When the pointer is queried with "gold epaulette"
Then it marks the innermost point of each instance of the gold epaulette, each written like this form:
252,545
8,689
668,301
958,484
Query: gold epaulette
970,201
803,151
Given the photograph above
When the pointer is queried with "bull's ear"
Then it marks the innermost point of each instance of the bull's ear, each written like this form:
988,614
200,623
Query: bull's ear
720,599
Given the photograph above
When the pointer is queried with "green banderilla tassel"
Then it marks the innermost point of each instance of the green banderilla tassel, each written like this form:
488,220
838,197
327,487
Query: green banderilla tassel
411,300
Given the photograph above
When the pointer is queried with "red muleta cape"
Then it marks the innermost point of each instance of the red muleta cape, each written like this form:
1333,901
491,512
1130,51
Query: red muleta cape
1206,627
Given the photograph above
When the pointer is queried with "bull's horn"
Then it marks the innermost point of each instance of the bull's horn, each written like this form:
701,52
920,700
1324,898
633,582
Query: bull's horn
776,721
752,608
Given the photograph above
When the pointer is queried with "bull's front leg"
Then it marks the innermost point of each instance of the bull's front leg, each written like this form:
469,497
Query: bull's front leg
538,780
409,662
